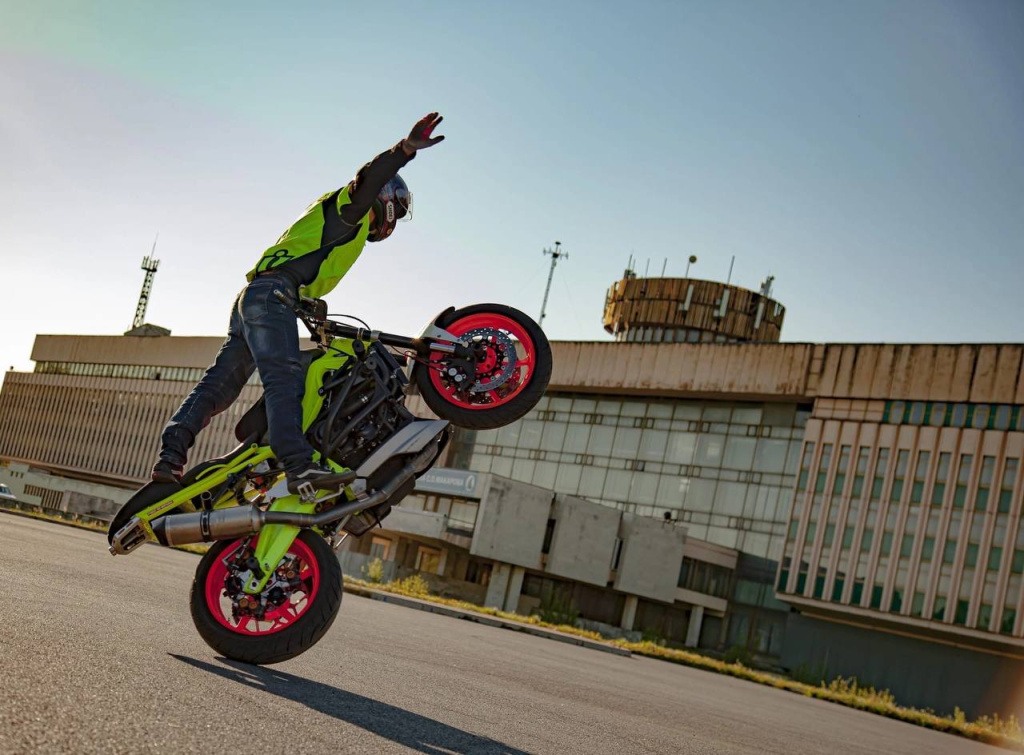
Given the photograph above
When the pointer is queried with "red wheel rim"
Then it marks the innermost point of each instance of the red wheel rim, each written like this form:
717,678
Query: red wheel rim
522,369
276,617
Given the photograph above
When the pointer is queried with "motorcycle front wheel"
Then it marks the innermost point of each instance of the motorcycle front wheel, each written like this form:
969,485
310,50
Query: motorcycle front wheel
292,614
509,374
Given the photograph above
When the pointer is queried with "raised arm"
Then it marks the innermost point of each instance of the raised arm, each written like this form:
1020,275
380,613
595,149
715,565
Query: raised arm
371,177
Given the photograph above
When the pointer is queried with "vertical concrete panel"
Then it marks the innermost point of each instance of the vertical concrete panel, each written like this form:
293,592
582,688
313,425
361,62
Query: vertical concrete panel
922,367
515,589
498,586
963,373
827,384
652,552
511,522
901,366
565,366
1008,366
983,380
881,379
943,372
629,612
583,541
693,628
638,371
865,359
748,366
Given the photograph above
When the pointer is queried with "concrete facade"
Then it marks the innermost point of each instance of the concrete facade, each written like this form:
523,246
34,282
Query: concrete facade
647,546
512,522
583,542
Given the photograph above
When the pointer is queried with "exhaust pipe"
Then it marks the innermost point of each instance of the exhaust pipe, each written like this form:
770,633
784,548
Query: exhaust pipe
228,524
206,526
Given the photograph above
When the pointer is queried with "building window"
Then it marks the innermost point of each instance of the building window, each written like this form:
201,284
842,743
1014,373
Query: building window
380,548
988,465
805,467
428,560
920,473
826,460
900,473
962,479
941,478
1006,492
478,573
862,469
880,469
916,414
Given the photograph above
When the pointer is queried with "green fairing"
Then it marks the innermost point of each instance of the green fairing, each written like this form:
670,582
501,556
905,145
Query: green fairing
306,236
254,455
274,539
341,350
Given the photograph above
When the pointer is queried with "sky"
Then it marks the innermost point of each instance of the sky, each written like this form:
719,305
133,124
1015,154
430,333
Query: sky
869,155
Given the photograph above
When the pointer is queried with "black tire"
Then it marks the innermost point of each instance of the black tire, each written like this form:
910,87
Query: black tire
291,641
499,416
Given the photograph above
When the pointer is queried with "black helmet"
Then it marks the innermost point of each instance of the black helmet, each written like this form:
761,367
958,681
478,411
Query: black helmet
393,203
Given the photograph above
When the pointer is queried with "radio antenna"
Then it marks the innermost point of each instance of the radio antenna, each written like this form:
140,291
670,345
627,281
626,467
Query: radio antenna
555,254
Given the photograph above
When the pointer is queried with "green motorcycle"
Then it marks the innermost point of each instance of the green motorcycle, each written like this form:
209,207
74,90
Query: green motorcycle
270,586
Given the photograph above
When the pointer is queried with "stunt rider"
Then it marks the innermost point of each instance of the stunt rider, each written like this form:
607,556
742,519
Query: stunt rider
309,259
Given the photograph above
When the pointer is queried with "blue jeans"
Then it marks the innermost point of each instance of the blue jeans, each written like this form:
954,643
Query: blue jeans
262,335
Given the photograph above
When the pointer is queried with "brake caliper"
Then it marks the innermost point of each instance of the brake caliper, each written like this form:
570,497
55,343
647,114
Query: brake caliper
278,592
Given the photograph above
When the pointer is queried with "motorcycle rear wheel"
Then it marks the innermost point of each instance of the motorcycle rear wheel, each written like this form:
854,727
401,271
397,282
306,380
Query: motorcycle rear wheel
525,382
296,626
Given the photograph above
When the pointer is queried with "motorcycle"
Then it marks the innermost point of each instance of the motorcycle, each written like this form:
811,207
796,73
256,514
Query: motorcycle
271,585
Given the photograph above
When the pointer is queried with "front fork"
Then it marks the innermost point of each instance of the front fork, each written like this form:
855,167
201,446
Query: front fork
275,540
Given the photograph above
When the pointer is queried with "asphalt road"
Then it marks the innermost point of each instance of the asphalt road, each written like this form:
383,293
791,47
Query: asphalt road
98,654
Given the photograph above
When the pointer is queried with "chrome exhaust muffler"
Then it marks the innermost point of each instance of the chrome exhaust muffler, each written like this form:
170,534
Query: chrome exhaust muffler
240,521
206,526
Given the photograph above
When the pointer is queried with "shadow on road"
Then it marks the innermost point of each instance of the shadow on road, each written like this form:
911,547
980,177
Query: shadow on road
412,730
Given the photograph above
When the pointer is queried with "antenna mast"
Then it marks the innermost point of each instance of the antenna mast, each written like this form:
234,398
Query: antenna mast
555,255
149,264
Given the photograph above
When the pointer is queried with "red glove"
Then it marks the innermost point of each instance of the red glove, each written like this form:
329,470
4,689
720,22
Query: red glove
419,137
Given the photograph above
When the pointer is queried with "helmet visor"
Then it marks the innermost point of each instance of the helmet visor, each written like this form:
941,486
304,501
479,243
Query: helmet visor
403,205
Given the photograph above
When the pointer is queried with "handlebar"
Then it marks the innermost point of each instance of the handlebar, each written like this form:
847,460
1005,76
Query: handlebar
313,313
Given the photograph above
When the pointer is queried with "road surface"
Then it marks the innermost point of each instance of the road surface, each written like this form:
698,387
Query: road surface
98,655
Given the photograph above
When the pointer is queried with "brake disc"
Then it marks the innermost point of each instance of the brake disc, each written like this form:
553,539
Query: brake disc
506,357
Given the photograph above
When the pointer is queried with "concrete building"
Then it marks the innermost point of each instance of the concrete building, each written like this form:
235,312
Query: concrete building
844,509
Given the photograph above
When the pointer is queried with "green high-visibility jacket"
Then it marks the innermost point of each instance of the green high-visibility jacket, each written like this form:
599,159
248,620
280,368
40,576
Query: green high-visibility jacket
334,229
320,229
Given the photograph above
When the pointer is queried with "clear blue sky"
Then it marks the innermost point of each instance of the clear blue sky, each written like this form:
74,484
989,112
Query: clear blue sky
868,154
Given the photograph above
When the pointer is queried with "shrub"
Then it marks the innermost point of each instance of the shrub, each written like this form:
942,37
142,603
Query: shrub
414,585
373,571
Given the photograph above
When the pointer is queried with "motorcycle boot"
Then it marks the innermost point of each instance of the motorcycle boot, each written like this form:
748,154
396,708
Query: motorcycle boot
165,471
317,477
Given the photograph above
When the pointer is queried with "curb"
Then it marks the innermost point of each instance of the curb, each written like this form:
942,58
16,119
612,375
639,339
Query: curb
491,621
